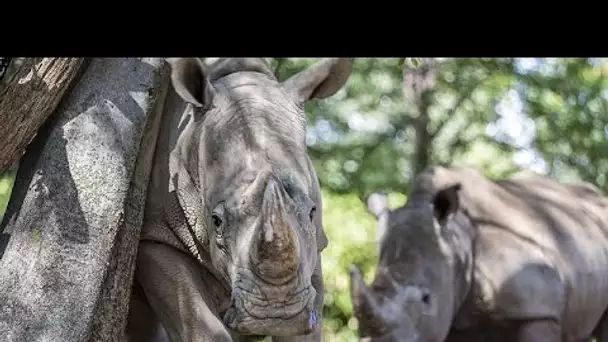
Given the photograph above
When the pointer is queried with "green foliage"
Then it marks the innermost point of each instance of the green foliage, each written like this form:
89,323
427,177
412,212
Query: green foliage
567,100
368,124
6,186
351,231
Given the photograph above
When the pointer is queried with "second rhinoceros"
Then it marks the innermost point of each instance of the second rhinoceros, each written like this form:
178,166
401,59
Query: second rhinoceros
468,258
232,232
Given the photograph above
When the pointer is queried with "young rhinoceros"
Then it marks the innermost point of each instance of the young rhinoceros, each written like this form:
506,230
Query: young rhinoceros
473,259
232,232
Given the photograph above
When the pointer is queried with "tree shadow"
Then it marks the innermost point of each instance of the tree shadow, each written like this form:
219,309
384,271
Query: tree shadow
564,217
502,324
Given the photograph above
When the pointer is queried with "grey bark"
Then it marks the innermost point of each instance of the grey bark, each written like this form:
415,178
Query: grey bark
73,221
4,63
28,100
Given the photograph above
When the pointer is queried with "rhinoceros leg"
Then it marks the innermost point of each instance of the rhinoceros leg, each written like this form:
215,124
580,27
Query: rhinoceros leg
540,331
143,324
600,333
175,289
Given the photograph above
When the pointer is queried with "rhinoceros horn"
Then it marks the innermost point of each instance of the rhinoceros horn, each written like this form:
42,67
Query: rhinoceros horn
366,306
277,255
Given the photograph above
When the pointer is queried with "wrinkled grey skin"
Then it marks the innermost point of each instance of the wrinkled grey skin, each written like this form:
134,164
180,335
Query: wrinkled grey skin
471,259
232,235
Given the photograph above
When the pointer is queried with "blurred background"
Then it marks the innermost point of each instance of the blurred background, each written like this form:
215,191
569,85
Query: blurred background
396,116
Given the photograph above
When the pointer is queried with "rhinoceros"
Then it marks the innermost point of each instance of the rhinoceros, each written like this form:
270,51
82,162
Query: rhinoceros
469,258
232,234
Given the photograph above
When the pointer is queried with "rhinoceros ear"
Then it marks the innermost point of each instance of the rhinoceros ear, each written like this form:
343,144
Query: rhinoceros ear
445,202
190,81
321,80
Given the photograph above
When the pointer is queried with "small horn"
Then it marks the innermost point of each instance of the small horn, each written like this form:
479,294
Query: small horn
377,203
365,305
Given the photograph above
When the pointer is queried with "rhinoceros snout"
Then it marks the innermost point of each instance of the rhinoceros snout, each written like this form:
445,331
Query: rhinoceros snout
252,315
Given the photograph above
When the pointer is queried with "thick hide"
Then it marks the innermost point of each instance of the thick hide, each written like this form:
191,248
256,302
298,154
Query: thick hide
70,233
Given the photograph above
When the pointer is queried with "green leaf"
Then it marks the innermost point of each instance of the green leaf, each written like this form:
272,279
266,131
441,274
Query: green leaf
36,233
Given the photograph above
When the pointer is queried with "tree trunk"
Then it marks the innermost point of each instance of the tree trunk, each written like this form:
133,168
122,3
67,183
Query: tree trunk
28,100
418,85
4,64
72,225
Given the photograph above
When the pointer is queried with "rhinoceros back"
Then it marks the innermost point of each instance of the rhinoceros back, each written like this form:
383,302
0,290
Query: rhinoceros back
533,222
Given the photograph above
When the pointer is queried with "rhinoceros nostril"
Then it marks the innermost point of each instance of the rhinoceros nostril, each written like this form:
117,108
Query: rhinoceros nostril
426,298
312,318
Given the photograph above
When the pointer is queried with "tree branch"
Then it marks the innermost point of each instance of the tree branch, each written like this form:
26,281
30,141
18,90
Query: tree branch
29,99
463,97
280,62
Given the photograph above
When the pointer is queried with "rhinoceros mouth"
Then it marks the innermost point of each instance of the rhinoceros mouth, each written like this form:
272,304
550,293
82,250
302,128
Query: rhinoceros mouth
251,313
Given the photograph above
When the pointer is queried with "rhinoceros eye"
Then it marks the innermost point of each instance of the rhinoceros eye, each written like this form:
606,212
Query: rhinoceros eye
217,221
313,210
219,236
217,214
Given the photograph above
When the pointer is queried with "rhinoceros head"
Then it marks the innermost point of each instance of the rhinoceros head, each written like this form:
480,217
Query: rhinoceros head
259,190
412,295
